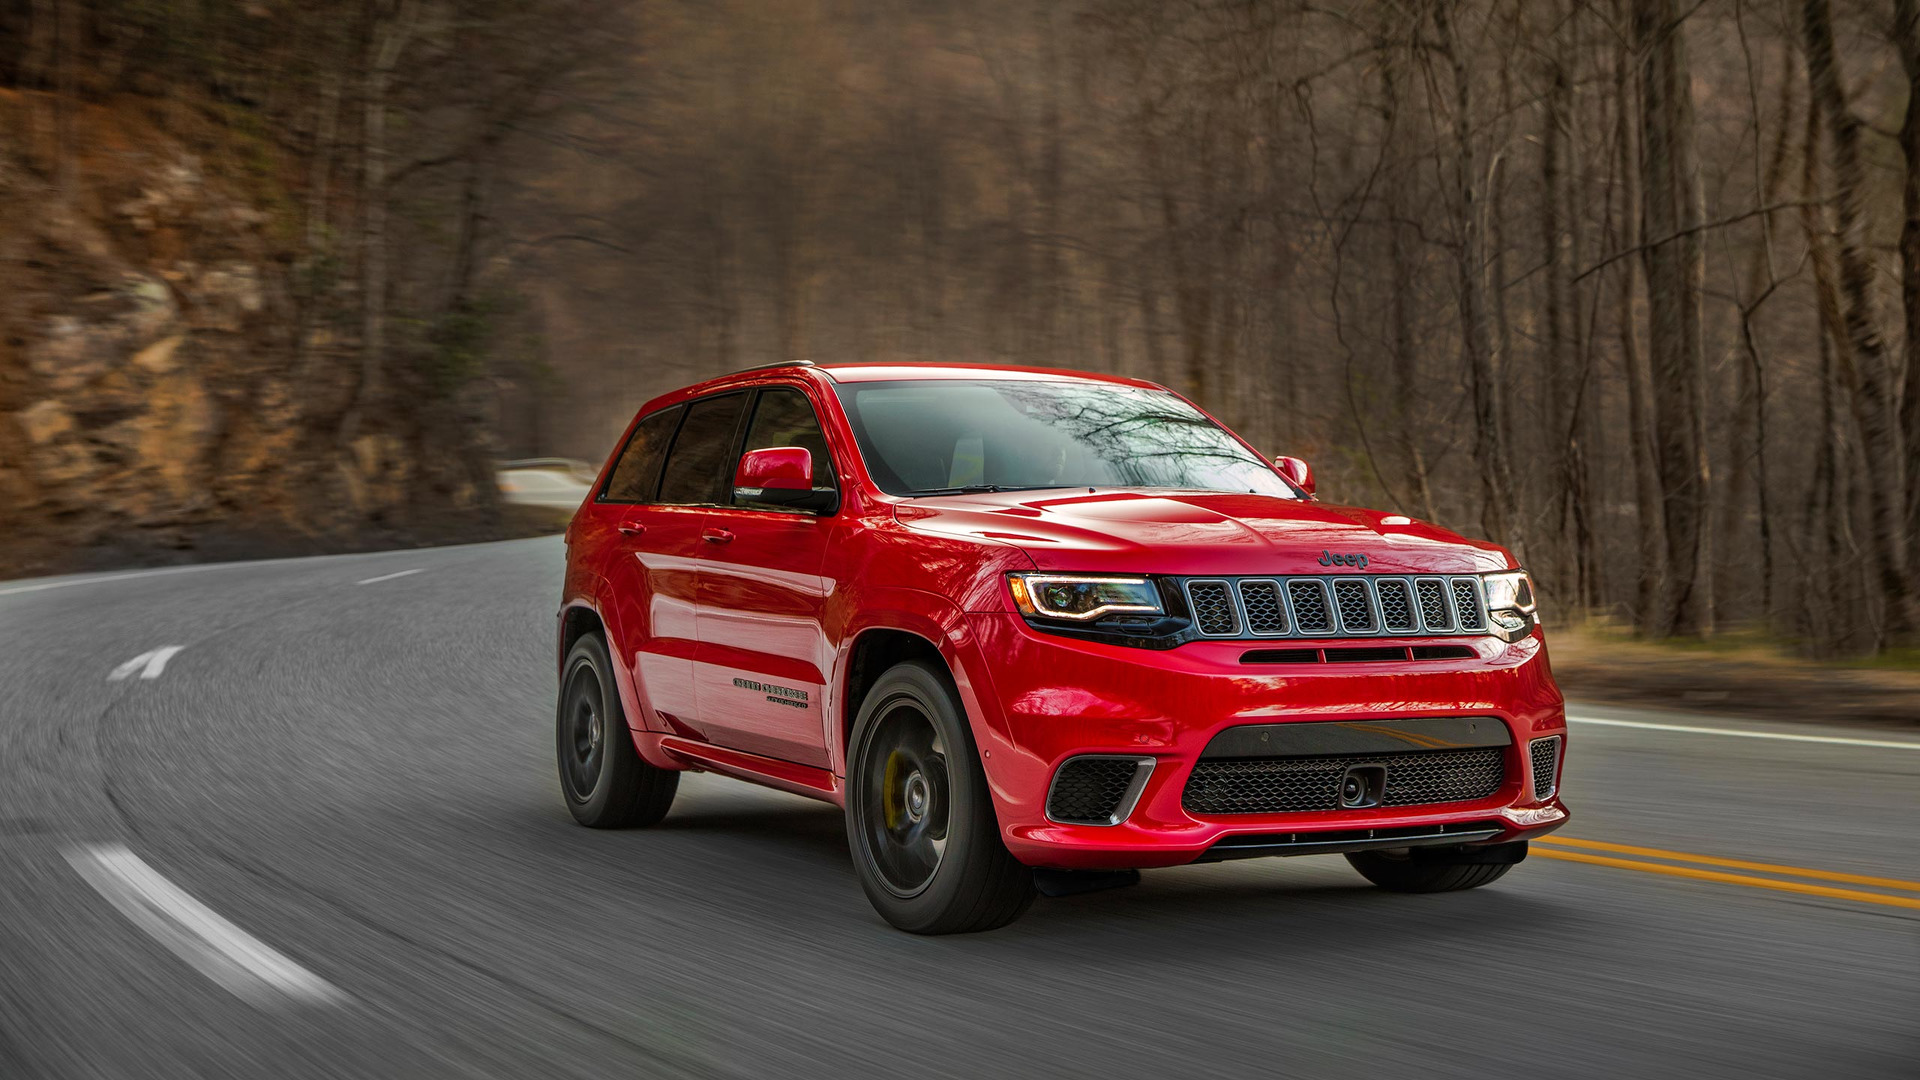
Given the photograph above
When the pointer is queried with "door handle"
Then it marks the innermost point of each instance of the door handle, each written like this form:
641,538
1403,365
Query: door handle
716,536
631,528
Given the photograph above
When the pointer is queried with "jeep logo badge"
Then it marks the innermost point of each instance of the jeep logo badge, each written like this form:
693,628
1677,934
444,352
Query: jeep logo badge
1328,558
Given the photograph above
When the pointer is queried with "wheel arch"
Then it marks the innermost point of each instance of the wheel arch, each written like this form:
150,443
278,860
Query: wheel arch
911,625
578,619
580,616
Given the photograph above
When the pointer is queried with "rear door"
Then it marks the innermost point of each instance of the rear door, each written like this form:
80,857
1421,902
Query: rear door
653,577
761,668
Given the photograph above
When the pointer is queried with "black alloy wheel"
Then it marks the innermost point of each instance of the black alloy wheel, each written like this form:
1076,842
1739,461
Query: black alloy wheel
606,783
925,839
583,733
904,801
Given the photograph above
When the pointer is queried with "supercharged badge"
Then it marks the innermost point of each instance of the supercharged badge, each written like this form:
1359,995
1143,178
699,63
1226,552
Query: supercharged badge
779,695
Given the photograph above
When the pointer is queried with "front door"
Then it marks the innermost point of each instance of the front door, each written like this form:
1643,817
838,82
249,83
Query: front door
760,671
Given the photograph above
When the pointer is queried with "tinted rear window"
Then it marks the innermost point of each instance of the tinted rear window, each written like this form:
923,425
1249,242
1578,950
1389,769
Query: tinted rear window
637,475
696,471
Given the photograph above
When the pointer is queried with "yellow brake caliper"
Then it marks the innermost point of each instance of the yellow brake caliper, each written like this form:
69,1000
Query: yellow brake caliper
890,801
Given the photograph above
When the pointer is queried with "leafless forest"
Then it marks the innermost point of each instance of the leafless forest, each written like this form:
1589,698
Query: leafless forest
1631,285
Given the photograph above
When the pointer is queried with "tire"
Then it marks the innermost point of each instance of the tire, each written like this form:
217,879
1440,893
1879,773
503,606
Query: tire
602,777
1406,874
920,822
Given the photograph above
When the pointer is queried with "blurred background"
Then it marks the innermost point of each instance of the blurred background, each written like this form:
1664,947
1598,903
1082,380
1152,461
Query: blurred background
1626,285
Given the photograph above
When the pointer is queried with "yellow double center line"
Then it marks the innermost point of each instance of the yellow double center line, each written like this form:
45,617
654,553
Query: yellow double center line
1584,851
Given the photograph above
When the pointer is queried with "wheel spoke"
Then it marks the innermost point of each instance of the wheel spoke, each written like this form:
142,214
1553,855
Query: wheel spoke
903,804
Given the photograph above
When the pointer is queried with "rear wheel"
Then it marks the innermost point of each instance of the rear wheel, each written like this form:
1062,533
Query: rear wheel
926,844
1408,872
606,783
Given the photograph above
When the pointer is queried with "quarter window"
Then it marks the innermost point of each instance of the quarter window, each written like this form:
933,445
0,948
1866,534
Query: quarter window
696,471
637,474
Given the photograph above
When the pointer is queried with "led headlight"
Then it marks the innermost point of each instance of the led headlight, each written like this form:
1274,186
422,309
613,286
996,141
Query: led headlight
1084,597
1511,590
1510,604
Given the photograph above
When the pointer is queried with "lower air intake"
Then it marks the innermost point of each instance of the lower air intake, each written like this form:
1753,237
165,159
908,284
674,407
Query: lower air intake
1285,785
1096,790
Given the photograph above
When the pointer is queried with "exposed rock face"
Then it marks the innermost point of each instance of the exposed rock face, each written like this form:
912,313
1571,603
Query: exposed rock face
151,391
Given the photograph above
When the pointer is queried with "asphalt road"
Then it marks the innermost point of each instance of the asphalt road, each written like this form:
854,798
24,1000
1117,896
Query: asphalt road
355,781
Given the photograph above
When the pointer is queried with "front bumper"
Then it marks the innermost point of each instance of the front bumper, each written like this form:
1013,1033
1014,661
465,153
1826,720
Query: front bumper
1048,699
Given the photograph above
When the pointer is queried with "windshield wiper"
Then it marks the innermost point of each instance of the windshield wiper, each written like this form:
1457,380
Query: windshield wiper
967,489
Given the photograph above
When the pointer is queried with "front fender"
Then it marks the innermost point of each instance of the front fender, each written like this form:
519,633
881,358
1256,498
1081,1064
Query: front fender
939,621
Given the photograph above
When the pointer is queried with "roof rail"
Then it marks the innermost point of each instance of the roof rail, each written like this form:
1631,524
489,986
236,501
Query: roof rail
777,364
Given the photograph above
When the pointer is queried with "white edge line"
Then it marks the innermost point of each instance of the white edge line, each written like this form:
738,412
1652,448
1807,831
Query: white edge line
126,576
216,948
1687,729
390,577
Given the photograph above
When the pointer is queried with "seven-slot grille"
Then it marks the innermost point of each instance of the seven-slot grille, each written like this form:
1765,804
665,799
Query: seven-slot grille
1546,760
1372,605
1282,785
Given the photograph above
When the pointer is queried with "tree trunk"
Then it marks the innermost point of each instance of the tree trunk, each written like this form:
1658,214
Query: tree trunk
1649,499
1565,375
1483,364
1868,368
388,33
1906,34
1675,271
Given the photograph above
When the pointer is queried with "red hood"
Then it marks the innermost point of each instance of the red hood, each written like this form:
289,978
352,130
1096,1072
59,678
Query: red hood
1160,532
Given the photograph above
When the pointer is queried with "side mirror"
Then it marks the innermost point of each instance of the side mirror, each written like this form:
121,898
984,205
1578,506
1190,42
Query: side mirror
1295,470
781,476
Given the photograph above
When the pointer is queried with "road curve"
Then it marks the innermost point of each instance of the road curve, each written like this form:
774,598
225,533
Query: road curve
344,768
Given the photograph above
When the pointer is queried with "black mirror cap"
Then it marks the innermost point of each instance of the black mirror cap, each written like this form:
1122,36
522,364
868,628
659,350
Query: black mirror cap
820,501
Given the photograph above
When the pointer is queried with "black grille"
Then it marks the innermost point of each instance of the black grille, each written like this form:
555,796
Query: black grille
1546,755
1297,784
1468,601
1310,606
1356,615
1212,608
1433,605
1396,608
1088,790
1265,613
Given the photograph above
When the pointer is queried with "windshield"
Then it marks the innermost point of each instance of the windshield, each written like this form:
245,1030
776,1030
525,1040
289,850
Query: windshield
940,436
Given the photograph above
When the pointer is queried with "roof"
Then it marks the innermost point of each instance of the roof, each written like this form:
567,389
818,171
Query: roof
883,372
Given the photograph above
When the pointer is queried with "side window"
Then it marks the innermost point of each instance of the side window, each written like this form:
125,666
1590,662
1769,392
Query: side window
637,473
696,471
784,418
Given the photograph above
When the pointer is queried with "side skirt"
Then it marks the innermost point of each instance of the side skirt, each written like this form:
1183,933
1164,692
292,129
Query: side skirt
753,768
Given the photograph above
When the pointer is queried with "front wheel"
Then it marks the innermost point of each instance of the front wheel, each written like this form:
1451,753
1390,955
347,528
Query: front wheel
926,844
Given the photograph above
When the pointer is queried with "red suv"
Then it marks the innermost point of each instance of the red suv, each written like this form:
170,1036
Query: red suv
1023,623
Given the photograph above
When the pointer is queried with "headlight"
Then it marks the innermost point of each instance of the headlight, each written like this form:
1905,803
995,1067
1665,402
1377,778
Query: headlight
1510,591
1083,597
1510,604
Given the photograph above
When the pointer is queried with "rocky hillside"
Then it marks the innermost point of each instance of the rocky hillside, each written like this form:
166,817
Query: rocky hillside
163,394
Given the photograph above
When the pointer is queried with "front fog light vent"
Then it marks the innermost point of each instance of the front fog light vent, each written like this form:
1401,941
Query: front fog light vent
1097,789
1545,755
